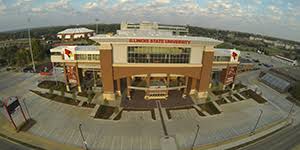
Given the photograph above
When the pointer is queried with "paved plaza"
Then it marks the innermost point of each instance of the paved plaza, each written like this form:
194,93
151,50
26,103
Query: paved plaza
136,130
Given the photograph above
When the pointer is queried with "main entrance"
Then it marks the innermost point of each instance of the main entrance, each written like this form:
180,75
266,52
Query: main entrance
158,86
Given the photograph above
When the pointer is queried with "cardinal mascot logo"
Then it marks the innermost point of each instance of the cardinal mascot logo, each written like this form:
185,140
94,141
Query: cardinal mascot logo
234,55
68,53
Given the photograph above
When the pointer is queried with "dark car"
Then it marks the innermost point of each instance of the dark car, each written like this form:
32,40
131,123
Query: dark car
28,69
267,65
255,60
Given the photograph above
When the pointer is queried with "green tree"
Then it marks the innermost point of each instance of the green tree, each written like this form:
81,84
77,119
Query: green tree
37,50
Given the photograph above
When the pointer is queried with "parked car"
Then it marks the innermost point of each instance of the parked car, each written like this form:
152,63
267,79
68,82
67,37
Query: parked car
28,69
267,65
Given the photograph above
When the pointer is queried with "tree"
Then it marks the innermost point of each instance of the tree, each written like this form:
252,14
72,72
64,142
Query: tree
37,49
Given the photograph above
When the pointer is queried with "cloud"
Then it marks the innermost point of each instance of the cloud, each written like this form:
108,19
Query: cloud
162,1
2,7
90,5
59,4
22,2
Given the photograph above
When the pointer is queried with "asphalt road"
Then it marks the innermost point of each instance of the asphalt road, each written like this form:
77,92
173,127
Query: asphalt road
7,145
285,139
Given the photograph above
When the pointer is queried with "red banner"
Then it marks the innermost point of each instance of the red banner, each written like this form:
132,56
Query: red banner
230,75
72,74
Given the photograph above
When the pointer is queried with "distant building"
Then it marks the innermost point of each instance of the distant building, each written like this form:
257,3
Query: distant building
75,33
281,79
285,60
175,29
245,65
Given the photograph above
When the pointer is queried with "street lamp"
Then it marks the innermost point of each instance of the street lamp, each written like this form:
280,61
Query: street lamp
198,128
30,46
96,25
259,117
84,141
291,110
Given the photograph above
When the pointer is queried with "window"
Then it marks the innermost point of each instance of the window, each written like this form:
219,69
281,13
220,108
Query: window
55,53
87,57
138,54
222,58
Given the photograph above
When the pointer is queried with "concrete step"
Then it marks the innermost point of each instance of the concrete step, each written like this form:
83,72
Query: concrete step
226,99
94,111
201,110
217,106
235,98
241,95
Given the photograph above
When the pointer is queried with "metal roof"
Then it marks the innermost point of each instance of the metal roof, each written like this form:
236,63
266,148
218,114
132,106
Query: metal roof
77,48
147,34
75,30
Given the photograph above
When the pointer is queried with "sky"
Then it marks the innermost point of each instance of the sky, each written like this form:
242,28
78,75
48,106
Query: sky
279,18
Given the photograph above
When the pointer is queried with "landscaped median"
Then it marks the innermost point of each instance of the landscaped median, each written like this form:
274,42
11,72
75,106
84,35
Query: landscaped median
246,138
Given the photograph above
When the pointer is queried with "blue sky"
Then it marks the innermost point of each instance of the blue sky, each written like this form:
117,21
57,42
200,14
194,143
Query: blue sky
280,18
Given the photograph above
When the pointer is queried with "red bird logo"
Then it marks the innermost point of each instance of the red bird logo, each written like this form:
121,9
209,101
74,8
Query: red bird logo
234,55
68,53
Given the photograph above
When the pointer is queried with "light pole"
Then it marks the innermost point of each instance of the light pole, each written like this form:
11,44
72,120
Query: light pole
84,141
30,46
198,128
291,110
96,25
259,117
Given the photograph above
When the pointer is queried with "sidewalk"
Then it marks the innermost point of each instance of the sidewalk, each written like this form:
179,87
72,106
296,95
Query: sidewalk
30,140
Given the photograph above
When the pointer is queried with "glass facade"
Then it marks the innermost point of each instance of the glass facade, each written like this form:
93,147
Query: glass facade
145,54
87,57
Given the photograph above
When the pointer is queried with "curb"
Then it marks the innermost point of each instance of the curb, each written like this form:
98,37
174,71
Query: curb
247,138
13,140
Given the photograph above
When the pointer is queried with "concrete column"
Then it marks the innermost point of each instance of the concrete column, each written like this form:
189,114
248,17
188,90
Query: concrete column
185,92
205,77
78,79
66,77
128,90
193,86
168,80
148,85
119,87
107,73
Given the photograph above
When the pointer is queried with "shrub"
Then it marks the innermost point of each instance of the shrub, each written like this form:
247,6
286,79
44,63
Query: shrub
105,101
62,92
74,96
51,90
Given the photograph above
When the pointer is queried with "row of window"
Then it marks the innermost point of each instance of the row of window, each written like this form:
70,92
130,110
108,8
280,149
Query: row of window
158,54
87,57
222,58
81,56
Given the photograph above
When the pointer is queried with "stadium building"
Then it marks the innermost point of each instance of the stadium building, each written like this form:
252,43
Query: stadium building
150,62
75,33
